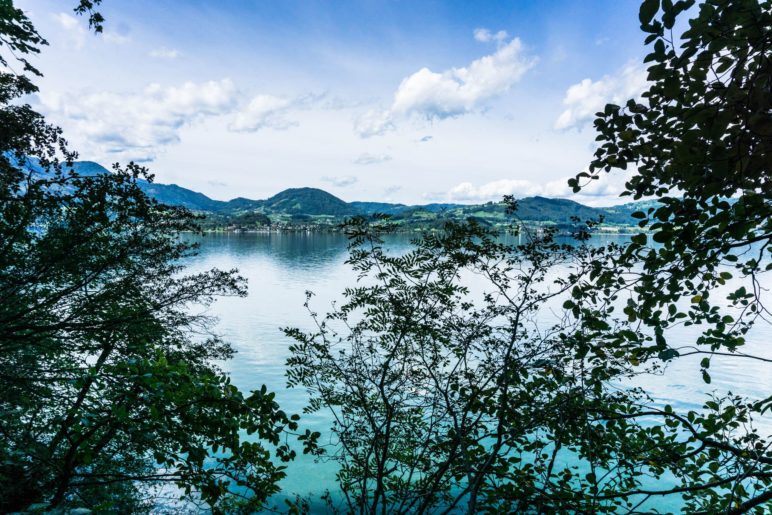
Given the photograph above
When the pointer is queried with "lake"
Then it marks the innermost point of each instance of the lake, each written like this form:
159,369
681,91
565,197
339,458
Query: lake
281,267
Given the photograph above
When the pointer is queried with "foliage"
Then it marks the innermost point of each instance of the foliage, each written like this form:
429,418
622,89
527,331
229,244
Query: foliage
699,144
455,398
108,388
252,220
449,399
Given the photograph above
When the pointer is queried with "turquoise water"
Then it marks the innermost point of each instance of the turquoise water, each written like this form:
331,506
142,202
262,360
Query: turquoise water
281,267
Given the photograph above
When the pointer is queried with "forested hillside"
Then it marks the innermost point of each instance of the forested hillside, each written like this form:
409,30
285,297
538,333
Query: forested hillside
312,205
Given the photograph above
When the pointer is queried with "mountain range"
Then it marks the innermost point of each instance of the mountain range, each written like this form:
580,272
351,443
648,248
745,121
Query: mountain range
313,203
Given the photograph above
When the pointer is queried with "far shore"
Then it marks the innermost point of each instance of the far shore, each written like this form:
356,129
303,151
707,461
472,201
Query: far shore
602,231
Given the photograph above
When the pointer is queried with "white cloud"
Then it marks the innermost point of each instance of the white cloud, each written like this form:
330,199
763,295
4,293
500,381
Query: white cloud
587,97
76,34
466,191
371,159
373,123
341,182
263,111
454,92
137,125
164,53
608,188
485,35
272,112
460,90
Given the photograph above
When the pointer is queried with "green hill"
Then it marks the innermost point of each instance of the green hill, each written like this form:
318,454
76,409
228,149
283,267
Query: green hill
178,196
561,210
304,204
308,201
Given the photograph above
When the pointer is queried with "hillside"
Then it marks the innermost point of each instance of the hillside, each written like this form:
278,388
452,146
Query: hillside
308,201
312,205
178,196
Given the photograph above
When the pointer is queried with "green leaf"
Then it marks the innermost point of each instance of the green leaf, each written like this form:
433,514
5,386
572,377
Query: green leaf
647,11
668,354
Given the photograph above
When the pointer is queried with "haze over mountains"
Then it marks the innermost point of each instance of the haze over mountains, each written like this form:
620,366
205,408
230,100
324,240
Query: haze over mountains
315,202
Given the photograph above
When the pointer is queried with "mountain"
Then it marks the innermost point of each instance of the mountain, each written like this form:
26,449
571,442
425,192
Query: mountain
313,202
369,208
241,204
88,168
626,210
171,194
561,210
178,196
530,209
308,201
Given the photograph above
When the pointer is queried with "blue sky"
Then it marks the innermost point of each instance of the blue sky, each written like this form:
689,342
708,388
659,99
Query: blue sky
370,100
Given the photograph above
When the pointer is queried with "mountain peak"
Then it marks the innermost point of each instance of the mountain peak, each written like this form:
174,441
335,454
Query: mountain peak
308,201
317,202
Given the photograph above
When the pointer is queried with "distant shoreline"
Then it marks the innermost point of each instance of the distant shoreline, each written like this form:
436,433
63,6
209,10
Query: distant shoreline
630,231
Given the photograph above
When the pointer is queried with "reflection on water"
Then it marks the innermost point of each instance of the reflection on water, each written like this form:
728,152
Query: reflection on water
281,267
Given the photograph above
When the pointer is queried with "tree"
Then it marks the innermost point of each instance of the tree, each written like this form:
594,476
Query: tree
449,400
252,220
700,142
108,387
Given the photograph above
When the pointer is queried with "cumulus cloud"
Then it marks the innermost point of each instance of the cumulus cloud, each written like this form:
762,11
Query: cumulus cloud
460,90
271,112
371,159
136,125
608,188
584,99
342,181
164,53
454,92
485,35
263,111
466,191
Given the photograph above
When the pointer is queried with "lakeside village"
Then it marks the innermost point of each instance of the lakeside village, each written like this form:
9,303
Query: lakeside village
332,224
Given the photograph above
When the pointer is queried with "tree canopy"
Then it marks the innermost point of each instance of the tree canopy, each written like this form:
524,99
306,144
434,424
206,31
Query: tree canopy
108,387
444,400
699,141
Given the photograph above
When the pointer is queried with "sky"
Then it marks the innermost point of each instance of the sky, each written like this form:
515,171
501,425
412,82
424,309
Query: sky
399,101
